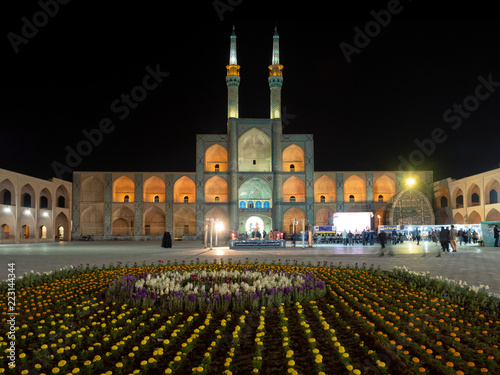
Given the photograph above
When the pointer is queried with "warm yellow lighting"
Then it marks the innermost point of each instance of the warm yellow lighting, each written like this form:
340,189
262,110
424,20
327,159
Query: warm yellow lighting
410,181
219,226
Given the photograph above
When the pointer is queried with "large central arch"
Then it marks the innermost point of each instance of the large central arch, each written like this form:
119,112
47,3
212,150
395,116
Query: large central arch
254,152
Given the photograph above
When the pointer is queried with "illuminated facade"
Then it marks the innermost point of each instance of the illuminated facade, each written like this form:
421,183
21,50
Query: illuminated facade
254,175
33,210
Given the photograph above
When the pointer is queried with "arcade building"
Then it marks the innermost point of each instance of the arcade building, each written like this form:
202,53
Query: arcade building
253,176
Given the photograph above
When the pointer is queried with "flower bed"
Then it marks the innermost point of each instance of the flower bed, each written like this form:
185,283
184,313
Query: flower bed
71,321
215,290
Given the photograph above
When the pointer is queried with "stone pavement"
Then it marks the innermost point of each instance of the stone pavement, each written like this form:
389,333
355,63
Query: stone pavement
473,264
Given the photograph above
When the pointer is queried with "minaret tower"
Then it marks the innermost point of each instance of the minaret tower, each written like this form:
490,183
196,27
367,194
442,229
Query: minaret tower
276,77
232,80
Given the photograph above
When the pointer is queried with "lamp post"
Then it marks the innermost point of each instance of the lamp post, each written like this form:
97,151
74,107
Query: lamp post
303,232
218,227
410,182
294,221
211,231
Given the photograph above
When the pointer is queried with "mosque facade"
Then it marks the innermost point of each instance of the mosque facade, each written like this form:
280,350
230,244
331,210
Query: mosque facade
253,176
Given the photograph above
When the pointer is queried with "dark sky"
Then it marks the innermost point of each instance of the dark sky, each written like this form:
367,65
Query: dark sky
365,114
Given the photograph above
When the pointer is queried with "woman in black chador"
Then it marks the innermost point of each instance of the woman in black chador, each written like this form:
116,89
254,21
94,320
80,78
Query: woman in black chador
167,240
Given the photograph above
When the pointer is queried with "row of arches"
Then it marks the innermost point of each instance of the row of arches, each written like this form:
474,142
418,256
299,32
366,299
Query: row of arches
474,195
254,154
216,190
29,229
30,198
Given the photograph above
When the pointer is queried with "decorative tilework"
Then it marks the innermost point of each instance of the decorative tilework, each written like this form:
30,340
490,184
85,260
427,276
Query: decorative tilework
138,204
108,197
169,202
76,204
340,191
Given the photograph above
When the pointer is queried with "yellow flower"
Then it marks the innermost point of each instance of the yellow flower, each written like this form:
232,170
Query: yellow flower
291,363
119,364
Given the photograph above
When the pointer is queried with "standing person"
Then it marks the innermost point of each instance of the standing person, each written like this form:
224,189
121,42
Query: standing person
350,236
474,236
382,239
167,240
417,235
344,237
443,239
495,235
447,229
453,239
469,236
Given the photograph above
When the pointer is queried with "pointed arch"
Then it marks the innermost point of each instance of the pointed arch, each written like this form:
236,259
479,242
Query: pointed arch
7,193
154,190
123,187
458,198
493,215
122,222
474,218
184,190
492,191
294,189
184,222
324,216
216,159
411,207
458,218
324,187
384,188
216,190
474,196
45,202
292,213
63,230
354,189
293,159
92,221
154,221
62,197
254,151
92,190
28,196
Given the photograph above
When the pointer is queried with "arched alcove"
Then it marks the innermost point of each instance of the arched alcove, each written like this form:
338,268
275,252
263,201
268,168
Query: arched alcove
216,159
492,191
154,190
289,215
216,190
154,222
474,195
493,215
354,189
122,222
184,190
184,222
324,216
458,218
384,188
324,187
123,187
474,218
7,193
254,151
293,159
92,190
92,221
256,190
294,189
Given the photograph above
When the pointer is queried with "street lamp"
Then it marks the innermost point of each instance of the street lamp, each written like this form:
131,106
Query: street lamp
218,227
410,182
379,217
294,222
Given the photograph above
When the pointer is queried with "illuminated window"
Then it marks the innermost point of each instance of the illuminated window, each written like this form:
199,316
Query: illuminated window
217,199
126,198
292,168
156,198
186,199
322,199
217,167
242,204
380,198
266,205
258,204
250,204
292,198
351,198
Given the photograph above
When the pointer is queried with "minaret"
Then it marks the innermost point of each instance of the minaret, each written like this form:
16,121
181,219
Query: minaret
276,77
232,80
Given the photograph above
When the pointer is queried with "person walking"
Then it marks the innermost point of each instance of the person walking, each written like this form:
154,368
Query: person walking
382,239
443,239
344,237
495,235
453,239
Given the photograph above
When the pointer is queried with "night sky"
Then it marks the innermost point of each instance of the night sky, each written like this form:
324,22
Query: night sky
420,77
